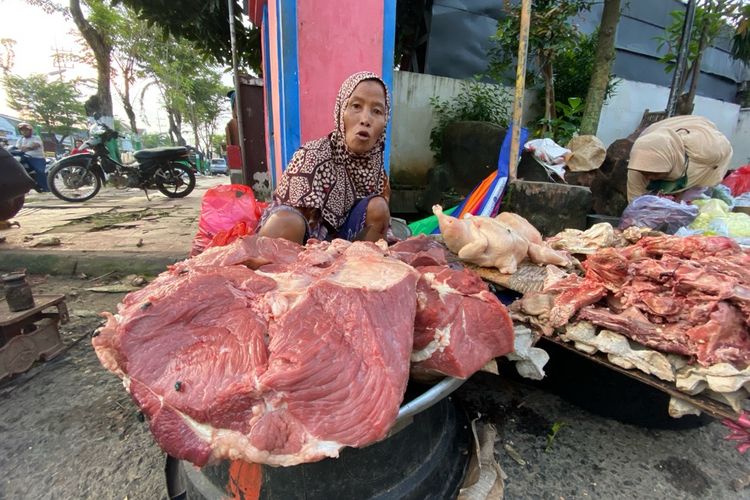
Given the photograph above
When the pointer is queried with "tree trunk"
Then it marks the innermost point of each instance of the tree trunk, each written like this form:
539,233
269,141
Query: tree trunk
685,105
128,106
102,50
175,126
549,90
605,56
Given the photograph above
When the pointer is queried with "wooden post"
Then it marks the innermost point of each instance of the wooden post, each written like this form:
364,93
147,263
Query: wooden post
523,46
237,98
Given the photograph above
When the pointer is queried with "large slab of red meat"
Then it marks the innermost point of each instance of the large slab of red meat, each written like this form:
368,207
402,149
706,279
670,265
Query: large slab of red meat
460,325
282,364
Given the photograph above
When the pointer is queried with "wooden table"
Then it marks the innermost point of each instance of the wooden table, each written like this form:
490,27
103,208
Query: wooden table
29,335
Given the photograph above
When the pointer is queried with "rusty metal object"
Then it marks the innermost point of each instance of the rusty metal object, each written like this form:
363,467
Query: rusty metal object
17,292
29,335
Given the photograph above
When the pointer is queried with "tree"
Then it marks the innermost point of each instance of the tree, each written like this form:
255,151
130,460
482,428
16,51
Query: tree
54,104
204,23
7,54
101,46
172,66
204,102
551,32
712,17
600,76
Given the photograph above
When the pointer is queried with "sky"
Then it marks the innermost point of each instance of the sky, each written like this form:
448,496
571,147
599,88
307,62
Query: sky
39,35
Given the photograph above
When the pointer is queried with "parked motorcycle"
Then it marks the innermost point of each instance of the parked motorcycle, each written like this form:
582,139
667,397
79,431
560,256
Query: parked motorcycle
79,177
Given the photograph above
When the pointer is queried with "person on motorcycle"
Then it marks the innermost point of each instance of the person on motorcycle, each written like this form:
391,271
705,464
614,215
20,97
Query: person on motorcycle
34,148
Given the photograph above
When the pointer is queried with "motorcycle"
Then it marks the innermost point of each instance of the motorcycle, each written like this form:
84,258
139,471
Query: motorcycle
79,177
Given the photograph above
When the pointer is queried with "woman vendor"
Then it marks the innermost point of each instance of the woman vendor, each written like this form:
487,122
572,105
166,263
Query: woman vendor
336,186
677,154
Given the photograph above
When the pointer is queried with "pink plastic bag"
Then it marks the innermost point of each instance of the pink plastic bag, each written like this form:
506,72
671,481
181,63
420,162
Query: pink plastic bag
224,208
738,181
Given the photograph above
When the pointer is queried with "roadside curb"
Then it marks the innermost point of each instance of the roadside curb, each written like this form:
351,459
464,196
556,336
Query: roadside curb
68,263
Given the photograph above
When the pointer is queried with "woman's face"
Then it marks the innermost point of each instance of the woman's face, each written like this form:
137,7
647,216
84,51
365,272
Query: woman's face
364,117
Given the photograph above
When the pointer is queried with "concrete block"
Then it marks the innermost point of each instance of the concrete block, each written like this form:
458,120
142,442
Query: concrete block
549,207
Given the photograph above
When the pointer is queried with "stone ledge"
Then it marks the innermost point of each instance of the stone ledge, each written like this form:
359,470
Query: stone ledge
91,263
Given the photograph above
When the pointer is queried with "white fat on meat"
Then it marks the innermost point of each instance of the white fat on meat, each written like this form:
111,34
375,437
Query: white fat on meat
357,272
441,340
236,446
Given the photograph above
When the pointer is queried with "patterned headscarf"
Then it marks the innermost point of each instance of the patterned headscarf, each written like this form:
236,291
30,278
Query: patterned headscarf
325,175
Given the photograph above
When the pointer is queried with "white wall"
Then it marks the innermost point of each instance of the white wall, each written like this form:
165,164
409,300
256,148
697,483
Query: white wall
741,140
622,113
412,122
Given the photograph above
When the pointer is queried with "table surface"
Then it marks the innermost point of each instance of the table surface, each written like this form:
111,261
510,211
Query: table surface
41,301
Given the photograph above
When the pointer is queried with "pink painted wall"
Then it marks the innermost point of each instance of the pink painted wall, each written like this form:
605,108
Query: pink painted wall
335,39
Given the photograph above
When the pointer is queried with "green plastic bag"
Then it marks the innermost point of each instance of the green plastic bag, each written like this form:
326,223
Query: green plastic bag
428,224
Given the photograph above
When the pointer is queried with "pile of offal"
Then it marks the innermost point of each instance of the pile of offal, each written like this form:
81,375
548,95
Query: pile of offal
275,353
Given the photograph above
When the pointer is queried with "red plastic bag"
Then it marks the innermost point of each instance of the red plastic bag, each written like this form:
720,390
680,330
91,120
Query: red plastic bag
738,181
227,212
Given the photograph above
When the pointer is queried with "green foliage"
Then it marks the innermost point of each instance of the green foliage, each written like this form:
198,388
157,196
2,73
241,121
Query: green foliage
741,37
218,144
552,434
476,102
150,140
565,124
712,18
574,67
204,23
53,104
672,34
551,34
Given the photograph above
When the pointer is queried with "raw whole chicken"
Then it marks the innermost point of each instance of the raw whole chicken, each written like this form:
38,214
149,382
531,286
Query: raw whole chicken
502,242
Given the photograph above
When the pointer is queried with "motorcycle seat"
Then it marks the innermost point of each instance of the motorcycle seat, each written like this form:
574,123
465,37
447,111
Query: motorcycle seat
154,153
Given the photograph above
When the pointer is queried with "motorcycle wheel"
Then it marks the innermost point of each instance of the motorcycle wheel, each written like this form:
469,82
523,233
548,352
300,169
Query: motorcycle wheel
174,180
74,183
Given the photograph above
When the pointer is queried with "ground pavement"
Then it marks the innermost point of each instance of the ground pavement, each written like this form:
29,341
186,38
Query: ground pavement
117,230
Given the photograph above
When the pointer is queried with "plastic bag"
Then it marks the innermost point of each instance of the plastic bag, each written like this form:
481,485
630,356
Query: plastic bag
723,193
227,212
428,224
738,181
550,154
716,219
661,214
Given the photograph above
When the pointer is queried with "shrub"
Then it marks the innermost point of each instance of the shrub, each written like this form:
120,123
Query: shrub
476,102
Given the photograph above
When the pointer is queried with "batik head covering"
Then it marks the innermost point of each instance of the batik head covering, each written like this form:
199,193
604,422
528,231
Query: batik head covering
325,175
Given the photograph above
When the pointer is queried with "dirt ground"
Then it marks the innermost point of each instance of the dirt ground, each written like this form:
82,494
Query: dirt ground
69,430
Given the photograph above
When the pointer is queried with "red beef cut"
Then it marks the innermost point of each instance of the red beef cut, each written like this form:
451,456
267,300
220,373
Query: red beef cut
460,326
689,296
281,365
